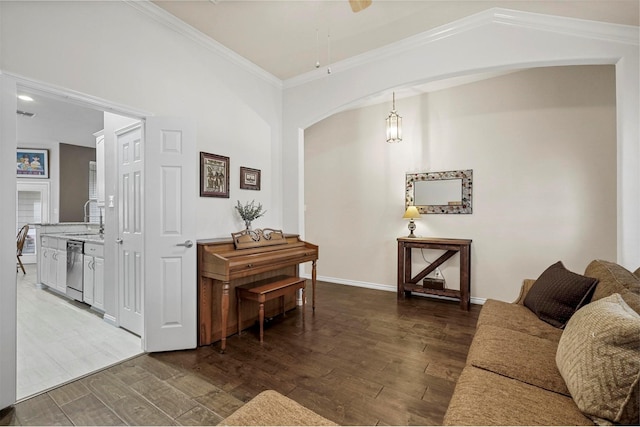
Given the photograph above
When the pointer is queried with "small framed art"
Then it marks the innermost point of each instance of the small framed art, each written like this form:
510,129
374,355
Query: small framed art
32,163
214,175
249,178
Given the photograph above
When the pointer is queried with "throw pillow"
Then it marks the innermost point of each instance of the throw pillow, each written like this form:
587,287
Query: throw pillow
558,293
612,278
599,358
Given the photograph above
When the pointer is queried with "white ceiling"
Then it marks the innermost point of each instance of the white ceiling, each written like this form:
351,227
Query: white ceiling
57,120
280,35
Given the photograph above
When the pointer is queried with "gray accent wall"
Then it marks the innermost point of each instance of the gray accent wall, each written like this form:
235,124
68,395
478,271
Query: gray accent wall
74,181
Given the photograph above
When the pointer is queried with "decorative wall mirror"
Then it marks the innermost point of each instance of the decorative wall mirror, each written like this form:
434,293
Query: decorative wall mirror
440,192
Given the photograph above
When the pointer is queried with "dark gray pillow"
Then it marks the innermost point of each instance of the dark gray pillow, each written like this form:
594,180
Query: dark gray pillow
558,293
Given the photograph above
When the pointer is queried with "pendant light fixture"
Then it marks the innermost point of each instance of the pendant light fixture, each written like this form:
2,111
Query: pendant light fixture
394,124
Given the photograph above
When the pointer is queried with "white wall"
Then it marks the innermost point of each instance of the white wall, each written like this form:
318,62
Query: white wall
542,146
114,51
8,287
496,40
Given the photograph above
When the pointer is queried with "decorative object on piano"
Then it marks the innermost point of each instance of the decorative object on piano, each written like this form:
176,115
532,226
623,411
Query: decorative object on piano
249,212
249,178
411,214
214,175
254,238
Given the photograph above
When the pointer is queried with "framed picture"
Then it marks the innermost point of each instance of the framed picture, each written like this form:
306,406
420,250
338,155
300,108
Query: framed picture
214,175
32,163
249,178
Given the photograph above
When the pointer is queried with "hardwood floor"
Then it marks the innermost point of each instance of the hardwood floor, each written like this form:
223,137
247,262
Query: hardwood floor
363,358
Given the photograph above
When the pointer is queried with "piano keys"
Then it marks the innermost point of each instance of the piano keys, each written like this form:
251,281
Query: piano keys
222,267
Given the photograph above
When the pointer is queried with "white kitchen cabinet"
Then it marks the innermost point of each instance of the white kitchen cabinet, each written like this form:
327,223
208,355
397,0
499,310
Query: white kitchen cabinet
53,263
100,185
94,275
88,279
43,265
98,283
48,261
61,267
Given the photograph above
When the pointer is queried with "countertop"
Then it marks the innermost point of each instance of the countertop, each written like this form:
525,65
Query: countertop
83,237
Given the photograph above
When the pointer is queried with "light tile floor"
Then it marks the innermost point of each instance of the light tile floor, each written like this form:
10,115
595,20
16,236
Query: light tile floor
60,340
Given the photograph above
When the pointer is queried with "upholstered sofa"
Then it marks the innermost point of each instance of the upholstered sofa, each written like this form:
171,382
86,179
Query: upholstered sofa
522,370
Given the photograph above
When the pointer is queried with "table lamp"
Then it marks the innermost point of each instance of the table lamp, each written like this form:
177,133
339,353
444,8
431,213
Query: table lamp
411,214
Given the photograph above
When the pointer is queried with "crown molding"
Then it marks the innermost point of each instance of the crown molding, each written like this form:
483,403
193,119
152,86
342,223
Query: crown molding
74,97
165,18
624,34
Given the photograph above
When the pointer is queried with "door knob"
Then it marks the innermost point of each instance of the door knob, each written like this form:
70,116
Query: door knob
186,244
119,241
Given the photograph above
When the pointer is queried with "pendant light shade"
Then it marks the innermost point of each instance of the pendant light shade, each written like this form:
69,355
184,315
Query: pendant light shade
394,124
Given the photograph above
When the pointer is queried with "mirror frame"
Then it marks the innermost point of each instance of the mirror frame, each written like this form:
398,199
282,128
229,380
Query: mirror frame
465,207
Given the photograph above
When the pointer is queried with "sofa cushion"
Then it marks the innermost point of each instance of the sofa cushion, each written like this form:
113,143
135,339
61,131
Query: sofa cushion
612,278
483,398
558,293
599,358
270,408
517,318
517,355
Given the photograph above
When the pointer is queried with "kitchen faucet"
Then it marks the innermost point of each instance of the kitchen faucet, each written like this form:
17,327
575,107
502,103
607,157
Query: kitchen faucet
87,216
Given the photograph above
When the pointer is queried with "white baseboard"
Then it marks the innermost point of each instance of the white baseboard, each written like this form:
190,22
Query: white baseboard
110,319
381,287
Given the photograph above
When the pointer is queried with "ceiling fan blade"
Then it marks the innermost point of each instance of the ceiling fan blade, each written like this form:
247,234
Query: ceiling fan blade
358,5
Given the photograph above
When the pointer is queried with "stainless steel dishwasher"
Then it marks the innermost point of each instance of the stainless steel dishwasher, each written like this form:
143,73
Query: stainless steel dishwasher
75,263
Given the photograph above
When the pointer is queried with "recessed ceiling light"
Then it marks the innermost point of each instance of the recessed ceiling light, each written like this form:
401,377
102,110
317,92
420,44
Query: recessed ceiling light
25,97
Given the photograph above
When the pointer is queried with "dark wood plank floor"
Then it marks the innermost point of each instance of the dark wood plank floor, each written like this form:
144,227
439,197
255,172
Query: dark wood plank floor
363,358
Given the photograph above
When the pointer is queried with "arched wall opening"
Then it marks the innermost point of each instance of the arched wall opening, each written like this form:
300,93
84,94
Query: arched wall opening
497,40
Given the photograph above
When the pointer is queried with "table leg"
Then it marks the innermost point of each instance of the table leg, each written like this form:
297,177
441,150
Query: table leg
313,285
465,277
238,311
400,270
261,321
225,315
304,300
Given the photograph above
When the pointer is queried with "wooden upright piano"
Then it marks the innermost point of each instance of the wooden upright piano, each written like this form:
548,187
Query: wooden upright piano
222,267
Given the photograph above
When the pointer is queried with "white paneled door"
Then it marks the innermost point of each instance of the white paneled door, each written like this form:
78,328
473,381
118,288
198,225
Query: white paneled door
130,227
171,189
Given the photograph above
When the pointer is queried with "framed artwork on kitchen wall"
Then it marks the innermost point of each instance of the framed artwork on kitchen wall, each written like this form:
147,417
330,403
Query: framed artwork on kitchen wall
32,163
214,175
249,178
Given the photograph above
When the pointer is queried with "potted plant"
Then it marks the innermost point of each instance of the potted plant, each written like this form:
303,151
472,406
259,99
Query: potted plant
249,212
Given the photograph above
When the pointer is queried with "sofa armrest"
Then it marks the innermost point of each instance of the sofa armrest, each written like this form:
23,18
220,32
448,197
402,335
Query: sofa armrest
526,286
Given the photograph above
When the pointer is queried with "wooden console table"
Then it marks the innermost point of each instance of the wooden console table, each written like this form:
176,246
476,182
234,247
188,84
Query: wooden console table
408,284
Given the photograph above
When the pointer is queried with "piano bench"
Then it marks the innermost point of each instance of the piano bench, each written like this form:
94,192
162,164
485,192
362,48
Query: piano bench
266,290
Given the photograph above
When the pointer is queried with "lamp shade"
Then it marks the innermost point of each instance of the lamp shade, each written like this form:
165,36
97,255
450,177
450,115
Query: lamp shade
411,213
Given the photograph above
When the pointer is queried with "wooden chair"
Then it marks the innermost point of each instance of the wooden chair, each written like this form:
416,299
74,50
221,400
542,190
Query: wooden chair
22,236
